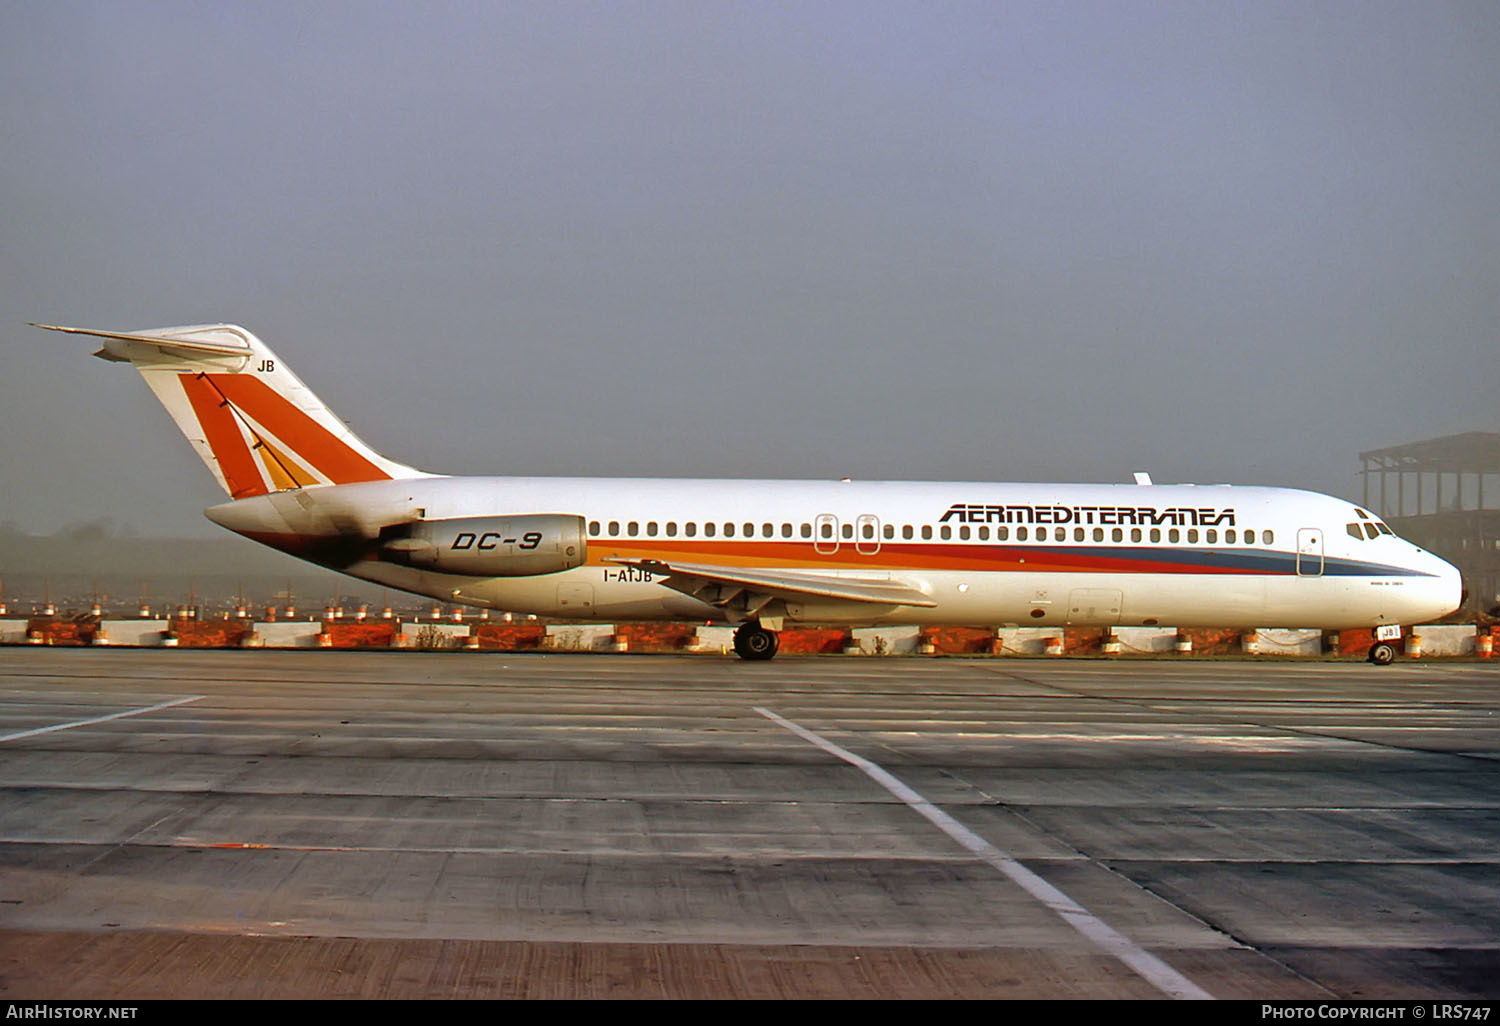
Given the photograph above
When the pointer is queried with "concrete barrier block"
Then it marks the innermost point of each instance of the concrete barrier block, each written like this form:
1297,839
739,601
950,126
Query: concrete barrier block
887,640
131,633
286,634
713,639
1289,641
1146,640
1446,639
1027,640
580,637
13,632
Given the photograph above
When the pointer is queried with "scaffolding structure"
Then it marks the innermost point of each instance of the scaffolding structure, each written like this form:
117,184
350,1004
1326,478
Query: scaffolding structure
1444,495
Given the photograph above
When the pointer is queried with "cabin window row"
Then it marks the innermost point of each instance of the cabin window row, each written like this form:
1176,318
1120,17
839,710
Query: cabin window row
946,532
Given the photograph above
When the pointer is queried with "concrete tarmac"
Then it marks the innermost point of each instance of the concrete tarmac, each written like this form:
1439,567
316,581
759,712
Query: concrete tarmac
199,823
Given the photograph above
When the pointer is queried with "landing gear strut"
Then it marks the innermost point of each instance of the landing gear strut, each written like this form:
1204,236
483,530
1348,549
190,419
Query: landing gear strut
754,642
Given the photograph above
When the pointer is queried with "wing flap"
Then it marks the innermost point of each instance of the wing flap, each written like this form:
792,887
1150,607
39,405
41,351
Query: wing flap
690,578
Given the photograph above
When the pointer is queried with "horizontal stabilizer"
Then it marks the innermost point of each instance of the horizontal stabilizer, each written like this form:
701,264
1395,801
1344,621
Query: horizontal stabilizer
233,346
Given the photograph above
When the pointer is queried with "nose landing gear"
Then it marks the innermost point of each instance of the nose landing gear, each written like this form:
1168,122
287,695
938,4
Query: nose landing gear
754,642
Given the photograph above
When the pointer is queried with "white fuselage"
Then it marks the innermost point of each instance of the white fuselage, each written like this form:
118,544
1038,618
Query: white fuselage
988,554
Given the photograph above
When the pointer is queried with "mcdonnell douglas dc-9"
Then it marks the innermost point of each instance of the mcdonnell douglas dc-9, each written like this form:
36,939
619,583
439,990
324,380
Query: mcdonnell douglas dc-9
762,554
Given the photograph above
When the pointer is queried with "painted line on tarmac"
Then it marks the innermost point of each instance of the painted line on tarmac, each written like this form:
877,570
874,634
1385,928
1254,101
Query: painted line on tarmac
98,719
1156,972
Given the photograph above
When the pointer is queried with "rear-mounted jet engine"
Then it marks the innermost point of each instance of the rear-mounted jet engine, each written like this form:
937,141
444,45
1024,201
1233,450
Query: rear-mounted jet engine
521,546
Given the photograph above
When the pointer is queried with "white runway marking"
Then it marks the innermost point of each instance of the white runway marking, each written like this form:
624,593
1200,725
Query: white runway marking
97,719
1166,979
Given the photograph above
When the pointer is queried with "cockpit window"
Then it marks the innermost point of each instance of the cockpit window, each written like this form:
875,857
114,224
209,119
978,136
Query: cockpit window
1383,529
1370,531
1354,532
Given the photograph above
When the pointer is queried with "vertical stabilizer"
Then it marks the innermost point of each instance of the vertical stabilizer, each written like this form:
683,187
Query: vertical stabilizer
254,423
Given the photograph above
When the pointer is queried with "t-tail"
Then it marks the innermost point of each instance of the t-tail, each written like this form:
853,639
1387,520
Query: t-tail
255,424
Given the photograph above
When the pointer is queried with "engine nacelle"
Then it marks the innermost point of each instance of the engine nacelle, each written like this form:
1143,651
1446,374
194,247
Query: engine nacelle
521,546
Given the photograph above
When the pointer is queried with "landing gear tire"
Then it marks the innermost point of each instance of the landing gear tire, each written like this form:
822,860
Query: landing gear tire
753,642
1382,653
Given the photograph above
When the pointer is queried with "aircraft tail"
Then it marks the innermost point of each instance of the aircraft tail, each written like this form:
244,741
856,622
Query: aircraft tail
254,423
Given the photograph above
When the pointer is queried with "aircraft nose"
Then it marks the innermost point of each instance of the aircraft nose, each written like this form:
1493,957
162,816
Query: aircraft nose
1448,589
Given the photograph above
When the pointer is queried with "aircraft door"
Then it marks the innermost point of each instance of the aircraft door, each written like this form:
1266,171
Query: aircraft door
867,534
826,534
1310,552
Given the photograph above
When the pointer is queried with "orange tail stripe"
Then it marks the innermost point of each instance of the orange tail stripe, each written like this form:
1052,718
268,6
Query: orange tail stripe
224,438
308,440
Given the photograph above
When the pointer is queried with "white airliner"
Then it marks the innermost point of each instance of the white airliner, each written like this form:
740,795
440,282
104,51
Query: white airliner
762,554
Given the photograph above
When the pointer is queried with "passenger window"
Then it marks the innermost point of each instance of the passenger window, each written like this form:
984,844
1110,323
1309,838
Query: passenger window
947,532
1211,536
786,530
1249,537
1268,537
1174,535
827,530
614,528
1229,536
651,528
848,532
984,534
633,529
1021,533
1099,534
1060,533
963,533
1156,534
927,532
1193,536
1135,534
907,532
749,531
729,530
867,531
807,530
709,529
671,529
1078,534
889,530
768,530
1118,534
1002,533
593,528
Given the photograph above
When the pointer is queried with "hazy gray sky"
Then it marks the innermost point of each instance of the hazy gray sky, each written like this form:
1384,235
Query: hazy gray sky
981,241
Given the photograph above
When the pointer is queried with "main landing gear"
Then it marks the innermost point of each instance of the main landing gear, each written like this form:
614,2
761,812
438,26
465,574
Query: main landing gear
754,642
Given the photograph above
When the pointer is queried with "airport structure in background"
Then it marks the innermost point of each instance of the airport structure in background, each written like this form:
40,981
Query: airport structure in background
1434,493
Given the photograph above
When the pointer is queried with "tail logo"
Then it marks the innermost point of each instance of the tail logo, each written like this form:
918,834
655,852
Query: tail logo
264,443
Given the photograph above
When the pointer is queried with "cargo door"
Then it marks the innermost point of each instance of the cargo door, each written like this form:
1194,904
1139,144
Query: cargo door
1095,607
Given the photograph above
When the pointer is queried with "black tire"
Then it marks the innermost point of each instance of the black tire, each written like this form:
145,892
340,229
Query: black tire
1382,653
753,642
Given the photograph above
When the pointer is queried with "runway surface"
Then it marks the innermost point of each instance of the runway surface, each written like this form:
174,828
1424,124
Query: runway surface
323,824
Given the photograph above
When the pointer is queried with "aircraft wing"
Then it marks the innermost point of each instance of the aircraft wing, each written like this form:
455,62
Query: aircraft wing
749,590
